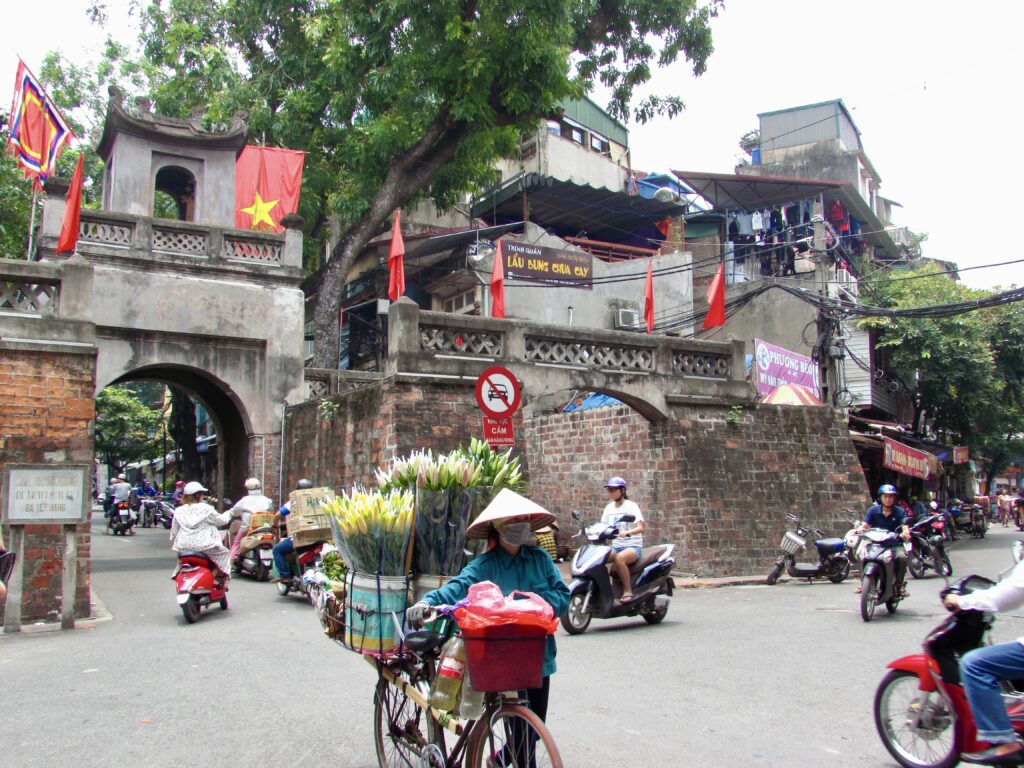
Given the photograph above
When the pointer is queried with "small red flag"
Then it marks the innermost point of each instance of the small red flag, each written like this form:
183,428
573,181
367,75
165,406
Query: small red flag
68,240
498,284
396,262
649,296
267,186
716,300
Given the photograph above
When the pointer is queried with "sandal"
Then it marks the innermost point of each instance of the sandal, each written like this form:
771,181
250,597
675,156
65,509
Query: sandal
626,599
858,590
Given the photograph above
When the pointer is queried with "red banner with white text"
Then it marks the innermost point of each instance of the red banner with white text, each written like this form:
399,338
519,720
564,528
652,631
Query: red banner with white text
906,460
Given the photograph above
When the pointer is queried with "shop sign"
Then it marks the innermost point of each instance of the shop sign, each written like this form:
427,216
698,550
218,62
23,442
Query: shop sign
906,460
775,366
538,264
961,455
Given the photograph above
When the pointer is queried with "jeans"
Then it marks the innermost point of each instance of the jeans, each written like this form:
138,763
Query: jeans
282,549
980,671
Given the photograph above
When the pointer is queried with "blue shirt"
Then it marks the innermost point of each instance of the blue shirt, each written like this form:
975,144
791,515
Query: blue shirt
876,519
530,570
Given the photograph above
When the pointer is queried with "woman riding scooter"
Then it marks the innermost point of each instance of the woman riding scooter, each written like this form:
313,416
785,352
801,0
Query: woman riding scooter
629,543
196,528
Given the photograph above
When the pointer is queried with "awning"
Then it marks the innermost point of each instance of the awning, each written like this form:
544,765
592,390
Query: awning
453,240
750,192
566,208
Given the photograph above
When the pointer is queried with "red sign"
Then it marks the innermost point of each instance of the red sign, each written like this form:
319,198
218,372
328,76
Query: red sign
961,455
498,392
906,460
498,432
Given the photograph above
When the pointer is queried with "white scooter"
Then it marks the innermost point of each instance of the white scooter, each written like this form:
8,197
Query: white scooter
595,592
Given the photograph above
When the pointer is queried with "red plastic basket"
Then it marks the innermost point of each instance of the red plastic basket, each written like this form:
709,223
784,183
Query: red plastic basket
505,658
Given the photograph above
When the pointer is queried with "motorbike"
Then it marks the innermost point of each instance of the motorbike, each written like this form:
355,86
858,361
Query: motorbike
197,586
164,513
878,571
121,520
299,561
970,518
921,711
595,592
832,564
257,559
928,548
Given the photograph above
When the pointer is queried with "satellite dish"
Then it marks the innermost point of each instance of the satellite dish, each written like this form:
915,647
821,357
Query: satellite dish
480,250
666,195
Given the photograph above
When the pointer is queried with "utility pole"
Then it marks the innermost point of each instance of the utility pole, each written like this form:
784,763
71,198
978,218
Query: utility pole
822,270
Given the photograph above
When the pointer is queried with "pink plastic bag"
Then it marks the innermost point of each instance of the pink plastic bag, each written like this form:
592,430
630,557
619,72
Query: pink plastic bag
486,606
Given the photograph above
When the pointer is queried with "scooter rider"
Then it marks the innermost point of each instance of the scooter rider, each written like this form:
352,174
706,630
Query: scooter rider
886,515
285,547
629,543
253,501
982,668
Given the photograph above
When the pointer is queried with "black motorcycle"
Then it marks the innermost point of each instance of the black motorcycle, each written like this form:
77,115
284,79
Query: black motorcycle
833,564
928,548
878,582
121,520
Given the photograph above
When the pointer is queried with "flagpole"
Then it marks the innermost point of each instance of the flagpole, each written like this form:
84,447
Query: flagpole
31,223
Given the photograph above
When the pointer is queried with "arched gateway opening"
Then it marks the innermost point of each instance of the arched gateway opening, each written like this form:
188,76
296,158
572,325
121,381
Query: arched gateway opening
231,424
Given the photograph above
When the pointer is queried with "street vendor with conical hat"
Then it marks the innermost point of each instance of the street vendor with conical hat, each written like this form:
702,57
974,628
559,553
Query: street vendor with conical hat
513,563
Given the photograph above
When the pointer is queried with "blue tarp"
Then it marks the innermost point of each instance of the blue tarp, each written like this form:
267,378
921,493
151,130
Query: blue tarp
594,400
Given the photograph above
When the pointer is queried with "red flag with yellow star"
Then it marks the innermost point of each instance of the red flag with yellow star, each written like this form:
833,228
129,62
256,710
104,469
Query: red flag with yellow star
267,185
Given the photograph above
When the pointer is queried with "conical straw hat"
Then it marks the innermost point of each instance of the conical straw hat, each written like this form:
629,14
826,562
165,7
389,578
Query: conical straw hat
505,505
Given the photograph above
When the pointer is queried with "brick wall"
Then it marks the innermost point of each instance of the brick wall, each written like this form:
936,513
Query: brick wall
717,482
46,404
265,463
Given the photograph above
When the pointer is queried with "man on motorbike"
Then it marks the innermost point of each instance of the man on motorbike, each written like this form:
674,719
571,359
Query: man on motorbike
886,515
627,546
253,501
286,546
983,668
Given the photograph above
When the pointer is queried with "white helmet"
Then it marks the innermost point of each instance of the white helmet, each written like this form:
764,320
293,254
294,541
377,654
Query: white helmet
193,488
121,477
252,484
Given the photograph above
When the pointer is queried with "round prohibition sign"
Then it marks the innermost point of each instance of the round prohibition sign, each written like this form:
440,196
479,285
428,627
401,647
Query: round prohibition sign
498,392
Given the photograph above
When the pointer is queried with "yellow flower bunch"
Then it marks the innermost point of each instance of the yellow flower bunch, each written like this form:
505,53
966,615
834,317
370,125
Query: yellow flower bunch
371,529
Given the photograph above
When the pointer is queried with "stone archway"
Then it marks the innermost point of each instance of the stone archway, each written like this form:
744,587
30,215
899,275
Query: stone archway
231,420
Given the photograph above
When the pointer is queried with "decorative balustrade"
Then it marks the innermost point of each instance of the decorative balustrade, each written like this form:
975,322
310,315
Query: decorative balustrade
29,296
579,352
174,240
323,382
459,341
115,234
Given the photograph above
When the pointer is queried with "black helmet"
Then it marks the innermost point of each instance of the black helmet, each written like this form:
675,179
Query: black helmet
303,484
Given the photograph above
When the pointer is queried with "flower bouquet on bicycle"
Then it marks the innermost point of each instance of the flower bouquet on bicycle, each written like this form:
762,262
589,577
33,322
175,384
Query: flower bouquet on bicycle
478,674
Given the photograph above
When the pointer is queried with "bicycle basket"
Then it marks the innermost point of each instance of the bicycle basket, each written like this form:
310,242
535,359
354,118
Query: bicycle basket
508,657
792,544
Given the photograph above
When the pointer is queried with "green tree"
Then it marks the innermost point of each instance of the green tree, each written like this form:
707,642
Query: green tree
964,372
16,194
126,430
396,100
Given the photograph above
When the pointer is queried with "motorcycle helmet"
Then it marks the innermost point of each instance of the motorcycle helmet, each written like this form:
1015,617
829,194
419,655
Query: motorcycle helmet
934,505
252,484
882,489
193,488
616,482
303,484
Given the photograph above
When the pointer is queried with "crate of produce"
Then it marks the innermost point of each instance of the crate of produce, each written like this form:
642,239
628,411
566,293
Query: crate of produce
307,522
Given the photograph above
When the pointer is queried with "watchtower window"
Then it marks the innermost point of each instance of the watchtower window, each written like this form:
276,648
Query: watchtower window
174,194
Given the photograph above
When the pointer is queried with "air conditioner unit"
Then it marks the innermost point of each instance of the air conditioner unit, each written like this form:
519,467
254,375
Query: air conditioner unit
666,195
628,319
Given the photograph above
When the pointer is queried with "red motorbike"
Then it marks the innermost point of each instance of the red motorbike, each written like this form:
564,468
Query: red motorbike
921,710
197,585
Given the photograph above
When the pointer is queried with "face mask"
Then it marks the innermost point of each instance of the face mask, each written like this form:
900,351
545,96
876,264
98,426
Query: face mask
514,534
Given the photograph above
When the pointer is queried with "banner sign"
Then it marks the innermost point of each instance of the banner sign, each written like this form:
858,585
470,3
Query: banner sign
776,366
961,455
498,432
538,264
906,460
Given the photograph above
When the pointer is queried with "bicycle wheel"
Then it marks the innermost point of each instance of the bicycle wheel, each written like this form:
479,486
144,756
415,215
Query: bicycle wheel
401,730
512,737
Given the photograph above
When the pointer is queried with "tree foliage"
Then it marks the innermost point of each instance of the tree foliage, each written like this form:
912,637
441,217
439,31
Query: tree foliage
126,430
396,100
964,372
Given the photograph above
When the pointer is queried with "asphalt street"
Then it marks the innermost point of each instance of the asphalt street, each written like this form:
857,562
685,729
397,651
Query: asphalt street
736,676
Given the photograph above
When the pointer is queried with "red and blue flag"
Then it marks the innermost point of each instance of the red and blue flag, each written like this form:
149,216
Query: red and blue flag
38,131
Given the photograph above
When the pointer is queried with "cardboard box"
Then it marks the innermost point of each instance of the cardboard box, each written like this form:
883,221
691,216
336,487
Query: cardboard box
307,522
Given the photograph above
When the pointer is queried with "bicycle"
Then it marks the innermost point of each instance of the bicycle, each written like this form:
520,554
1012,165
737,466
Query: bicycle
409,733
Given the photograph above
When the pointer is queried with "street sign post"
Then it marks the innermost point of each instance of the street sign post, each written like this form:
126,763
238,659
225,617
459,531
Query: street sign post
498,392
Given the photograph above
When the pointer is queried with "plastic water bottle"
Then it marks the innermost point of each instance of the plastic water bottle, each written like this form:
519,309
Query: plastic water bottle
472,705
444,693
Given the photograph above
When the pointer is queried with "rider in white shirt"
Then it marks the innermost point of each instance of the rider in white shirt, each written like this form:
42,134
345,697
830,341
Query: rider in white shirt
627,546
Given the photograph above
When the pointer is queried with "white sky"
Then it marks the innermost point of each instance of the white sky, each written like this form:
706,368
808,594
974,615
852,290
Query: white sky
932,88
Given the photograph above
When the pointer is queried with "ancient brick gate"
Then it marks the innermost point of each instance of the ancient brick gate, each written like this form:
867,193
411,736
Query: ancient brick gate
714,471
196,304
